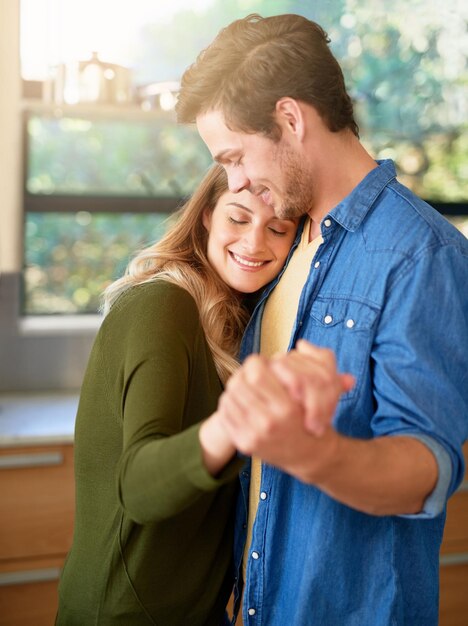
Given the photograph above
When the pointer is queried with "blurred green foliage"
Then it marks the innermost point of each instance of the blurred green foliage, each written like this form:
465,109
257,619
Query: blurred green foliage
71,257
152,156
405,68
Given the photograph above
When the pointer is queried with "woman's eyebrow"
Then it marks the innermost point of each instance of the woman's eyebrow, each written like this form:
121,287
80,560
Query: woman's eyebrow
240,206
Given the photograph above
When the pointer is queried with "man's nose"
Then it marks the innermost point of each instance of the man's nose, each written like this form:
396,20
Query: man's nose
237,180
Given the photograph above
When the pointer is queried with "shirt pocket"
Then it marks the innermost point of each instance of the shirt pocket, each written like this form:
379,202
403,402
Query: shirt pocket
347,327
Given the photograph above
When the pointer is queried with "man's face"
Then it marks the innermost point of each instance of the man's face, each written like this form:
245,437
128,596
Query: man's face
269,169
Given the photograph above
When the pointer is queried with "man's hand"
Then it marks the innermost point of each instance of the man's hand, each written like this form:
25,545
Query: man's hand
280,409
256,408
309,374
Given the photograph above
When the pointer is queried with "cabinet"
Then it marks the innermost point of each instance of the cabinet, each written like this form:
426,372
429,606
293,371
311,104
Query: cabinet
454,559
36,525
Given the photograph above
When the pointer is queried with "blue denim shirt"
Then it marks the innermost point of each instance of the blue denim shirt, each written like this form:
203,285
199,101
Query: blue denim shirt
398,270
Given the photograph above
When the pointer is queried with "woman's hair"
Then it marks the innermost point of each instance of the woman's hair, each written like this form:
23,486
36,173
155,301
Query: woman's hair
180,257
256,61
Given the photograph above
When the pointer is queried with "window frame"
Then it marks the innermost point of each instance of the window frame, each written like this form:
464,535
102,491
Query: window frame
93,203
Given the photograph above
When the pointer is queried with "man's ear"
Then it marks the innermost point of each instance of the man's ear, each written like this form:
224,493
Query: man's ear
290,117
206,219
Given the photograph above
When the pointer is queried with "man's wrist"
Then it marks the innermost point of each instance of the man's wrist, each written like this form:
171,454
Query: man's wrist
327,462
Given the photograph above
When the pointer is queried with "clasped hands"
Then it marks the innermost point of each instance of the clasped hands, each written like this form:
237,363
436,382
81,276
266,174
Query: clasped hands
281,408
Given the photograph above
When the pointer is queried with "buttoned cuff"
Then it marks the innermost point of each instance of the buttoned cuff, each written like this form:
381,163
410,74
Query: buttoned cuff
437,499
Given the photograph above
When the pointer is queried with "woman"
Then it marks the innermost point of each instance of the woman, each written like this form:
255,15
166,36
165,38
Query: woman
154,484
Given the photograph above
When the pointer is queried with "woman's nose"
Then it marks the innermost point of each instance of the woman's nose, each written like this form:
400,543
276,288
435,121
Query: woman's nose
254,240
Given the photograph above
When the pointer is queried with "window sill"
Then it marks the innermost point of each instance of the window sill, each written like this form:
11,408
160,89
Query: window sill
53,325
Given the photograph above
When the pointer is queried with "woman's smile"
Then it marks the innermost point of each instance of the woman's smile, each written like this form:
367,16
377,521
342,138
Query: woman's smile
247,243
247,262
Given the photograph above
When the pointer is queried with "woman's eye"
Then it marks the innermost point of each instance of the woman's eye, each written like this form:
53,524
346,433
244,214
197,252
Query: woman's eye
279,233
233,221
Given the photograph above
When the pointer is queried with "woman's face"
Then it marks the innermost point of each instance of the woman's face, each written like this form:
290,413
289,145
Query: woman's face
247,243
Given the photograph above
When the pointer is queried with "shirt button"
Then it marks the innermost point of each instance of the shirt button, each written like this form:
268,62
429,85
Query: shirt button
317,264
255,555
251,611
328,319
263,495
327,223
350,323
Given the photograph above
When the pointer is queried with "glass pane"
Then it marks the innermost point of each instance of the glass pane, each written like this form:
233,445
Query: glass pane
154,158
407,75
70,258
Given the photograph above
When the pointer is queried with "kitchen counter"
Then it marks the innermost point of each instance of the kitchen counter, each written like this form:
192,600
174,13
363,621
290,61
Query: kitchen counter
37,418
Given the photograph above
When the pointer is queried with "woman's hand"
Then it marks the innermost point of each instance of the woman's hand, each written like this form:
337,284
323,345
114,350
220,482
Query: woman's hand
217,448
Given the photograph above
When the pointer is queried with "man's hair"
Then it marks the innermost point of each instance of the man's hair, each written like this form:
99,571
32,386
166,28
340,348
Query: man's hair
256,61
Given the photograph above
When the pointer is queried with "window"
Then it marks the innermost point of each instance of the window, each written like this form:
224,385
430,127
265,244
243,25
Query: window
97,190
106,164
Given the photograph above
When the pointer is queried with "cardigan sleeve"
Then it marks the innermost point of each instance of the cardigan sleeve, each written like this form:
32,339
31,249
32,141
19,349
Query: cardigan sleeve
168,378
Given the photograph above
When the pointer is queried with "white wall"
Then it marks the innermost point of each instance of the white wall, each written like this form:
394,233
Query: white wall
10,138
29,359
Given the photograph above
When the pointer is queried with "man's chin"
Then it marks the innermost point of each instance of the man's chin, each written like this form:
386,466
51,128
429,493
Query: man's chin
290,212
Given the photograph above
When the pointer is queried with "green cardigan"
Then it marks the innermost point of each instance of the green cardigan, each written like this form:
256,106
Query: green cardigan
153,530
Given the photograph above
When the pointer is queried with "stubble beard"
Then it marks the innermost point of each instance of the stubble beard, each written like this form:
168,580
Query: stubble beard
298,194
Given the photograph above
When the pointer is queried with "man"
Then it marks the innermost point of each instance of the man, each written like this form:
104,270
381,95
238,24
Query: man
350,474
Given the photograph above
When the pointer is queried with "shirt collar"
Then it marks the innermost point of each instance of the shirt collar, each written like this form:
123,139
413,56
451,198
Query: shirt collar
352,210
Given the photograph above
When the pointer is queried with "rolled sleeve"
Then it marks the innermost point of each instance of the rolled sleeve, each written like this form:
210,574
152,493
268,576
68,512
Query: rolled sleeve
435,502
420,365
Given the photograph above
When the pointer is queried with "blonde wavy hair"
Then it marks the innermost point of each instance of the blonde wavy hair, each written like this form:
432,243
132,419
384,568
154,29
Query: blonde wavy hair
180,257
